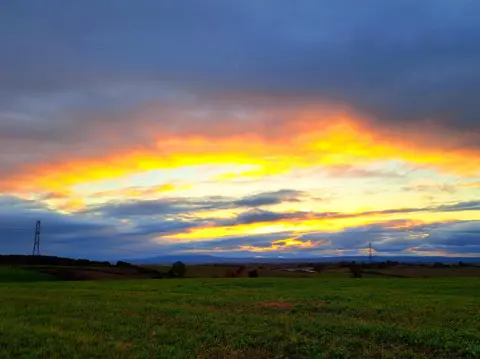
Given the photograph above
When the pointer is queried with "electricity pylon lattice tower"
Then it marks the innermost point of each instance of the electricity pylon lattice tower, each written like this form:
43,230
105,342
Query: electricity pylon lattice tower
36,242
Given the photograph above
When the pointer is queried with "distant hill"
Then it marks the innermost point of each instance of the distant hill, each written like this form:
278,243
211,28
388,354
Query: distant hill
186,258
210,259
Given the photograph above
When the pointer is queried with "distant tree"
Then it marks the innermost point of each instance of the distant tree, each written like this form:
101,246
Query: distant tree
319,267
230,274
123,264
241,271
178,270
356,271
382,265
253,273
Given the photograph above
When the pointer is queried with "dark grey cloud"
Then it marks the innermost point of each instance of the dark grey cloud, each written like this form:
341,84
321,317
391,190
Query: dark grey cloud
270,198
109,239
64,235
460,206
258,215
172,206
458,237
229,243
400,61
165,227
180,212
389,237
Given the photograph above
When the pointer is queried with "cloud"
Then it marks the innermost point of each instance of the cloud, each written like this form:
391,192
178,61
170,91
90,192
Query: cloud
258,220
175,206
171,206
77,235
270,198
283,49
470,184
460,206
399,237
350,171
431,187
268,88
257,215
149,96
60,233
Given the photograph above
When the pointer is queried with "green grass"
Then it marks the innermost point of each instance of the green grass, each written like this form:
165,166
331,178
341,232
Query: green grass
12,274
242,318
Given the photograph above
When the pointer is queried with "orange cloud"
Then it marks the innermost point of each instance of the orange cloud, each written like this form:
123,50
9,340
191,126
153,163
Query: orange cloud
307,138
281,244
337,222
141,191
470,184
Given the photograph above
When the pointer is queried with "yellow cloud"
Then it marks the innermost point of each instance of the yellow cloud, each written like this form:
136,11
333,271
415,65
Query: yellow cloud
308,138
392,221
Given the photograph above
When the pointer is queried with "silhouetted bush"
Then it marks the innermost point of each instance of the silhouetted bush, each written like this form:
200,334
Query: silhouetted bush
241,272
392,263
382,265
356,271
230,273
178,270
253,273
319,267
124,264
238,273
463,264
83,262
440,265
48,261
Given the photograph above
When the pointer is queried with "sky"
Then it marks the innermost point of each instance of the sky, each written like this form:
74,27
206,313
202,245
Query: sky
266,128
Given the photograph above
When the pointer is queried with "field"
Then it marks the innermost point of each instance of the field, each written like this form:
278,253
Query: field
323,317
401,270
8,274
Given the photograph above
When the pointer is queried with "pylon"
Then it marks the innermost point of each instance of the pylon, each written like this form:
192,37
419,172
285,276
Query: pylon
370,252
36,243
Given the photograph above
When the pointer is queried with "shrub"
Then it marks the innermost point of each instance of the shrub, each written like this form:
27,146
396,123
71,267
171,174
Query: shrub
230,274
178,270
123,264
318,267
253,273
241,271
356,271
382,265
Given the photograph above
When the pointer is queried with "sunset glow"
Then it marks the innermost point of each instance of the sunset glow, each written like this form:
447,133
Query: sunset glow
238,151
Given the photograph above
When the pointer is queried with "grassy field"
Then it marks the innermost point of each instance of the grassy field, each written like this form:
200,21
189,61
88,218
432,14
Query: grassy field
11,274
242,318
406,271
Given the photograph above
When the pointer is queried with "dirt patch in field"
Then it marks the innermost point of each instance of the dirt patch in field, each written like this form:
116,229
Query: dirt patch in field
277,305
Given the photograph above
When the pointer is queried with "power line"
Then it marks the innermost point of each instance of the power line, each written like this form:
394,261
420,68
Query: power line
36,242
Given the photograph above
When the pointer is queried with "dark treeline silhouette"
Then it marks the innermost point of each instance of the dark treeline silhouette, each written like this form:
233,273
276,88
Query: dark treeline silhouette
242,272
49,260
